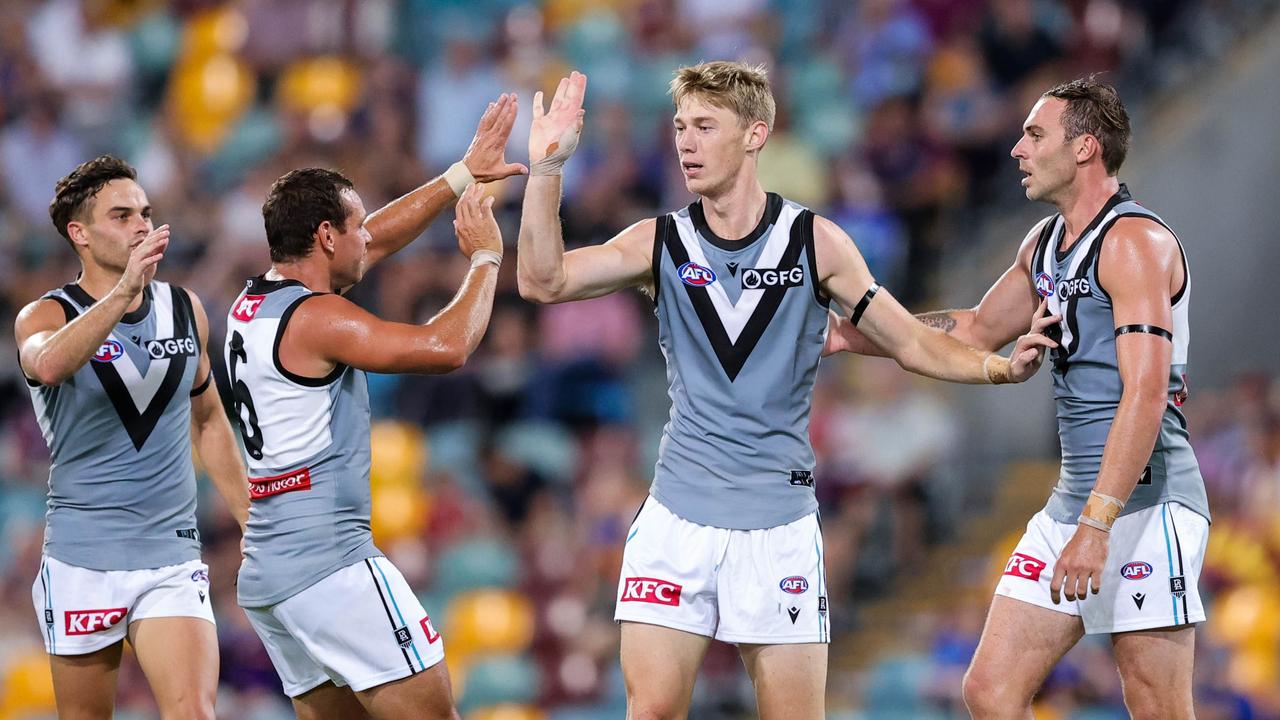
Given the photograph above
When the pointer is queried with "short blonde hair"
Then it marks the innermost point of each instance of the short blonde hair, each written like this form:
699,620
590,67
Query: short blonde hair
735,86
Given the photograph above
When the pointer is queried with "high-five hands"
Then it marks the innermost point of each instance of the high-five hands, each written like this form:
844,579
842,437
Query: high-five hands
486,157
553,136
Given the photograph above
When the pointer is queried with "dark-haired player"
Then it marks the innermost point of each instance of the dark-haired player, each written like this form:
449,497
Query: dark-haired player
344,630
120,380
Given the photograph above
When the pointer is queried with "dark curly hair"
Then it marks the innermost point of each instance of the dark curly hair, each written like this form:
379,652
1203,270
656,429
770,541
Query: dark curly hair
73,196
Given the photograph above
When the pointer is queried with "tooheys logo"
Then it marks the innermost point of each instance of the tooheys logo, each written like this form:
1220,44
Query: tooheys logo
169,347
650,590
1024,566
289,482
247,307
755,278
87,622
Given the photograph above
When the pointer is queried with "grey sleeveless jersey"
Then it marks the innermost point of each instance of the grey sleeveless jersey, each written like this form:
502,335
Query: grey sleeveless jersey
741,324
307,441
1086,375
122,489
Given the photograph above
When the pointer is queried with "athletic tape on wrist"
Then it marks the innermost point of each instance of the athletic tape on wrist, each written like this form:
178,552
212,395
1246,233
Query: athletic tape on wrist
557,157
483,257
458,177
986,370
1102,509
1086,520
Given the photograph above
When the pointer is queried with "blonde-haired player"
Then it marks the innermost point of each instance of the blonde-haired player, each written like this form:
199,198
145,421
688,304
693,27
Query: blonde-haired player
728,546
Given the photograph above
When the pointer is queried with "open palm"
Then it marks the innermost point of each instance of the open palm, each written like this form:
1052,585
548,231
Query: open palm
552,128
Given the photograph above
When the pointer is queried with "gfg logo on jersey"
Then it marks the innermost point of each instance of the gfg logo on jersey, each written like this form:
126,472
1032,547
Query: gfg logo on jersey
87,622
650,590
1024,566
289,482
691,273
108,351
1044,284
794,585
1136,571
247,307
170,347
1074,288
756,278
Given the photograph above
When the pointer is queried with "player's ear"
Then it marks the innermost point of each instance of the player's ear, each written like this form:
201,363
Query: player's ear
757,135
324,234
78,233
1087,148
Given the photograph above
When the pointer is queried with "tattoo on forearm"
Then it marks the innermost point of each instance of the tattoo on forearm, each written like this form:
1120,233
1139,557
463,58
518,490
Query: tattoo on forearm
941,320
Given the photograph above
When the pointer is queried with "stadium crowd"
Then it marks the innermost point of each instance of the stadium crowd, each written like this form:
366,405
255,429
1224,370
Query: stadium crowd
504,491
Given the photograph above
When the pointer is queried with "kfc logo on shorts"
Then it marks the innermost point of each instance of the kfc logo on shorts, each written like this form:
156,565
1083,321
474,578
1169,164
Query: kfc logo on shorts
289,482
651,590
1024,566
87,622
247,307
429,629
794,585
1136,571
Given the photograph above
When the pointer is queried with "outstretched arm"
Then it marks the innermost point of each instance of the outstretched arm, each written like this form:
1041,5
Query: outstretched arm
996,321
328,329
544,272
211,433
400,221
917,348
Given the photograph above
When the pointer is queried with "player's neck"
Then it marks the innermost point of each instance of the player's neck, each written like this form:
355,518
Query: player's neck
1084,203
315,277
99,282
736,212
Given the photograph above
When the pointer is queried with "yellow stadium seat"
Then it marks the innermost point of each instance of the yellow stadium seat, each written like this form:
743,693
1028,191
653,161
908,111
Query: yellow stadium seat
489,621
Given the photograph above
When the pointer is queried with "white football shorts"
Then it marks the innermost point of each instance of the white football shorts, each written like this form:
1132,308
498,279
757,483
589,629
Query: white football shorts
360,626
763,586
1150,580
82,610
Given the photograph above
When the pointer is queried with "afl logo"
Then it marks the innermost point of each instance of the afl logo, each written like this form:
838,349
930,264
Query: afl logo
1136,571
794,585
109,351
1044,285
692,273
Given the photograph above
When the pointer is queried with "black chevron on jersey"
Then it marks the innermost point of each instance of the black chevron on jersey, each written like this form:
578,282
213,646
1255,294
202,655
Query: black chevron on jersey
140,424
733,355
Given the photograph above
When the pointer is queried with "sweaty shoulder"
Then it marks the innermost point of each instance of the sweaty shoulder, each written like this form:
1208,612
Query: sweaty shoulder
1139,246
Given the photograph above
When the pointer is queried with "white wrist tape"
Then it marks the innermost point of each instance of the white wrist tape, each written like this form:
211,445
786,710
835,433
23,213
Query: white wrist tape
482,257
559,154
458,177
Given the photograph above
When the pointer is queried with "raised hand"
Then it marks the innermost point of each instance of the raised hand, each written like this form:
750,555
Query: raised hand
474,223
486,157
553,136
143,260
1029,351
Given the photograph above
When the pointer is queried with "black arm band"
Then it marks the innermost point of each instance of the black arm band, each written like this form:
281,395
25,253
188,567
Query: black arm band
203,386
1149,329
861,307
